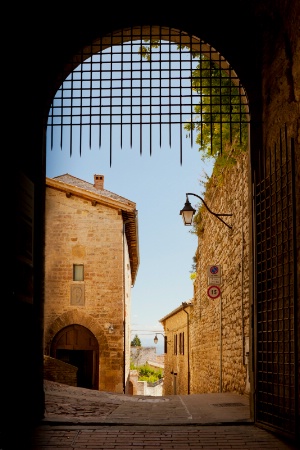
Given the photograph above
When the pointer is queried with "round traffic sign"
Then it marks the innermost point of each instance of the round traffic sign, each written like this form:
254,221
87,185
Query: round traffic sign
213,291
214,270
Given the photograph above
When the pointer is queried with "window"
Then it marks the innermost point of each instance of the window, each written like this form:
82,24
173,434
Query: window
175,344
181,343
165,344
78,272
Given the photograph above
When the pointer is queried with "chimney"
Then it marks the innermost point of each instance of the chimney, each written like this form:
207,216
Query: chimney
99,181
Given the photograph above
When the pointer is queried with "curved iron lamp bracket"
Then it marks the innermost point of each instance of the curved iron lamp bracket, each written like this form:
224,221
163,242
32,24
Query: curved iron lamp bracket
218,216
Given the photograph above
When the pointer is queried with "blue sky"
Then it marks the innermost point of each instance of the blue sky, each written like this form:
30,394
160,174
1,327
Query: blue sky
157,184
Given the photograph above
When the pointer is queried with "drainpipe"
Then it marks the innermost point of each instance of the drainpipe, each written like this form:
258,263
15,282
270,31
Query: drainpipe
242,302
221,381
124,300
124,310
184,305
242,281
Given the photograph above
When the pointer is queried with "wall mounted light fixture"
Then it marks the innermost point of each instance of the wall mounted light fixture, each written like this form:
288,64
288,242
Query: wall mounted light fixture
188,211
156,338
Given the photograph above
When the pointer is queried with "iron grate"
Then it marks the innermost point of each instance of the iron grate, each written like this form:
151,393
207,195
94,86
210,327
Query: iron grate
143,86
276,287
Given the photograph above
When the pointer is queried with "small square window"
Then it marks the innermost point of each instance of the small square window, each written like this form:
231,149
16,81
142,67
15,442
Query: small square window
78,272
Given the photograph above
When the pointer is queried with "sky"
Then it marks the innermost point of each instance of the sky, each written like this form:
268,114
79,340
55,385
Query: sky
157,184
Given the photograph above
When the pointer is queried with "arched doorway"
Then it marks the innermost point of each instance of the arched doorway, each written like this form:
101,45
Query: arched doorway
77,346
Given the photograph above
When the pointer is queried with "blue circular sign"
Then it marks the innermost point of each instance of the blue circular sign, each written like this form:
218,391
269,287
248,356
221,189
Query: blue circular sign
214,270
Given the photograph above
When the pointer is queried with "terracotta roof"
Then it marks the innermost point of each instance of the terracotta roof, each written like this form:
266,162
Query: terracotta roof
77,182
175,311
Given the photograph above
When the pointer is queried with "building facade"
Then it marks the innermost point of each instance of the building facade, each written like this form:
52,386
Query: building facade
91,263
177,357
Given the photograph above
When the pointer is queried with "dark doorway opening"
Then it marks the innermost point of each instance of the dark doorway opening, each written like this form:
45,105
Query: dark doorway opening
76,345
83,360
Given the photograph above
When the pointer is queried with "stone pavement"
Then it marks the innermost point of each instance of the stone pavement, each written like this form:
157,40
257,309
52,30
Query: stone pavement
77,419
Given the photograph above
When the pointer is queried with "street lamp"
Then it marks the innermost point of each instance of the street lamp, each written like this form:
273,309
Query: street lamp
156,338
188,211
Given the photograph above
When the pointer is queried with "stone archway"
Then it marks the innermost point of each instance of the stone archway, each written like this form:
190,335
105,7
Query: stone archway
76,345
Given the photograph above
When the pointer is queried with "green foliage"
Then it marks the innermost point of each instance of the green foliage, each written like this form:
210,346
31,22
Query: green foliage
147,373
136,342
145,51
219,119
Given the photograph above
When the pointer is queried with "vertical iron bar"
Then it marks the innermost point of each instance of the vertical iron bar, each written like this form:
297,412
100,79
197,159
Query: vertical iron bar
201,94
220,105
160,89
81,91
100,94
240,90
295,289
122,88
210,101
191,81
71,118
61,114
50,124
141,98
274,222
180,98
150,89
91,97
110,101
230,103
289,262
170,92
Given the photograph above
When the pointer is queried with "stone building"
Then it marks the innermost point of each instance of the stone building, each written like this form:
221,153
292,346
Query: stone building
91,263
177,357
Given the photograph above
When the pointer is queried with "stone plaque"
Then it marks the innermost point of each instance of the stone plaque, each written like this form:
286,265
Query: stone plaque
77,294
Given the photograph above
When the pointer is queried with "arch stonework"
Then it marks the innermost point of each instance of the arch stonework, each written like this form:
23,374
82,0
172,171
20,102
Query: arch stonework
76,317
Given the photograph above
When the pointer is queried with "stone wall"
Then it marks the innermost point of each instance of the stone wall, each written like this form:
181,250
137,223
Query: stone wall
59,371
150,389
141,355
219,331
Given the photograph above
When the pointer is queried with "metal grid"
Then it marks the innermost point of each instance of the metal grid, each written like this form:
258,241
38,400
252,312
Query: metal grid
141,87
276,289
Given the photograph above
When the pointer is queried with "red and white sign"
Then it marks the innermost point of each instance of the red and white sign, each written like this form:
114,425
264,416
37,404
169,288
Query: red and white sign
213,275
213,291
